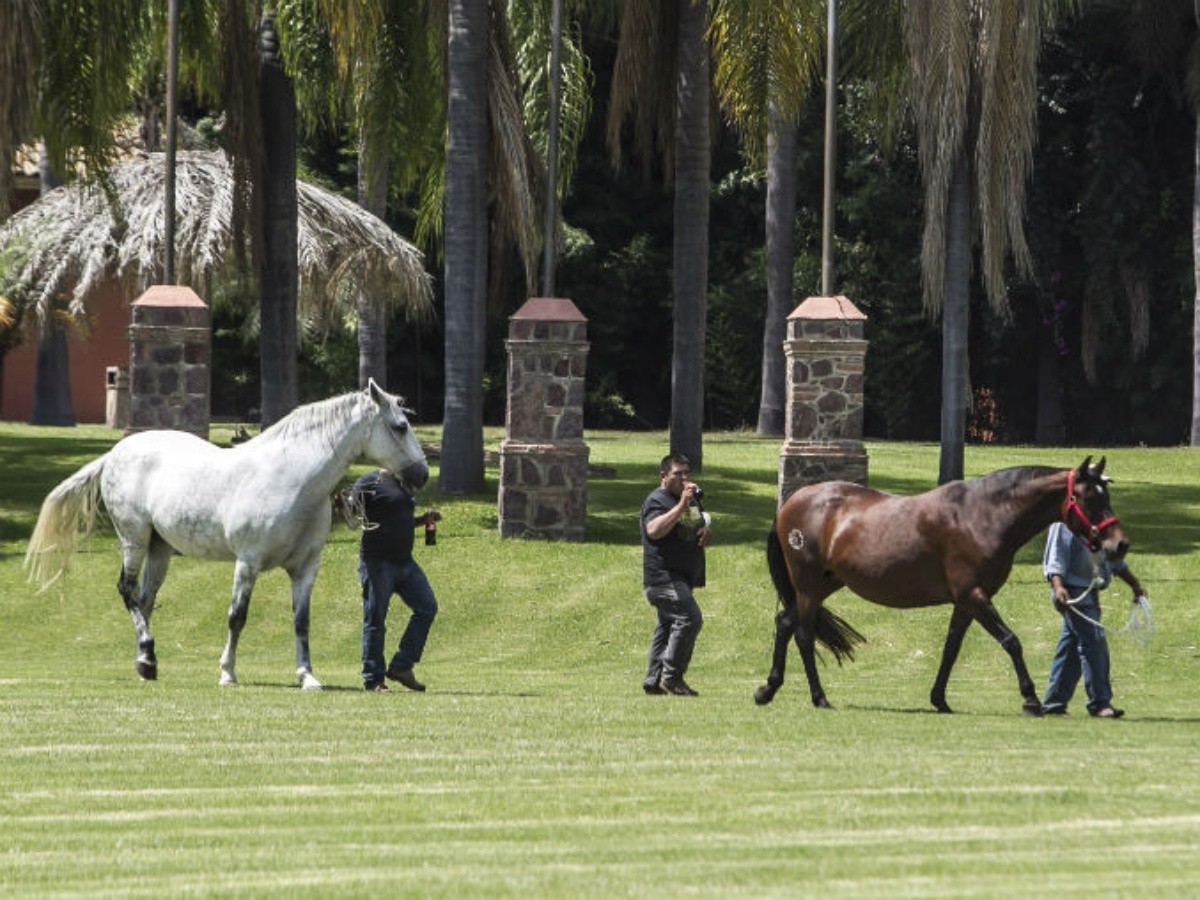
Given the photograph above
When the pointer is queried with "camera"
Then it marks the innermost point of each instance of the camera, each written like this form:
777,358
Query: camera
697,492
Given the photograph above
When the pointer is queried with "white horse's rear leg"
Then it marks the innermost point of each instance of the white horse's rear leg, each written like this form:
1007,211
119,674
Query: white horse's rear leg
244,576
302,586
140,602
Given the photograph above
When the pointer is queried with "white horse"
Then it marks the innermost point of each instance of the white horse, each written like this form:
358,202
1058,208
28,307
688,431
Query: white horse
262,504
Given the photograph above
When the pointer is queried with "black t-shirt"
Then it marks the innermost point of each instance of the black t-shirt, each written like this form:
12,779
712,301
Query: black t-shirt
388,505
678,552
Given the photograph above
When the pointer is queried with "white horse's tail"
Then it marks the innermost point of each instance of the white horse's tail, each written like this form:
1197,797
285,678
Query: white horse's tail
68,515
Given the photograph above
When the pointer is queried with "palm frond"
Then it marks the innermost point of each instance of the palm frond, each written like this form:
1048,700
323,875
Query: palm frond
1010,35
517,177
71,241
938,34
766,53
643,82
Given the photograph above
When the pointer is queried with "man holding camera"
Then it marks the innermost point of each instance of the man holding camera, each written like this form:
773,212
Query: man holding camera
675,531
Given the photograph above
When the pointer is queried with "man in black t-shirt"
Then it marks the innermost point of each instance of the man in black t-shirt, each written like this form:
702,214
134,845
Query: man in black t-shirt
674,534
386,566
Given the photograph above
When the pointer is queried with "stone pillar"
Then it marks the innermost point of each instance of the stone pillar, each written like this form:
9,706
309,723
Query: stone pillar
543,459
825,353
169,347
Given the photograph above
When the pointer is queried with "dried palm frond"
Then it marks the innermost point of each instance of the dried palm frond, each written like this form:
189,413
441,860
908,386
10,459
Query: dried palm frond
72,241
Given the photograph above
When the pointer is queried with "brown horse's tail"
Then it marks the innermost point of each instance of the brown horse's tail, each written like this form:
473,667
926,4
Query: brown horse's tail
831,630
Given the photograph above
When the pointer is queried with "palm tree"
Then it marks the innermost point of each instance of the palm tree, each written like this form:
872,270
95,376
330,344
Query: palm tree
278,276
65,71
466,242
381,68
974,93
661,78
693,163
1165,38
52,376
765,55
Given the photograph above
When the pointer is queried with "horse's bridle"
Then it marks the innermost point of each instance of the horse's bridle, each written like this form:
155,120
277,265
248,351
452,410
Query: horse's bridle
1072,506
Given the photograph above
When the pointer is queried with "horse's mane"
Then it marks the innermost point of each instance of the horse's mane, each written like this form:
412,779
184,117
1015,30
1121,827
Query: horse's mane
1003,481
328,419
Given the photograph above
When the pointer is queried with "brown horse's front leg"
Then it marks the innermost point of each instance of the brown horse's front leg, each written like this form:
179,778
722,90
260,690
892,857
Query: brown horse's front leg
785,627
960,621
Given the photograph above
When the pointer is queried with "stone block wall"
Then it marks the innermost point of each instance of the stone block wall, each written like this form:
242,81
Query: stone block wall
826,354
170,339
543,459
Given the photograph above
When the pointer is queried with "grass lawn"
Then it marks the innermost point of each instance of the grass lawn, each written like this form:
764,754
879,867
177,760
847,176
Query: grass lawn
535,766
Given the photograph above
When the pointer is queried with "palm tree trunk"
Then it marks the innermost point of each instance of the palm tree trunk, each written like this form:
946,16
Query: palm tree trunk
466,248
956,321
373,177
52,377
1196,300
690,258
278,342
1049,430
781,256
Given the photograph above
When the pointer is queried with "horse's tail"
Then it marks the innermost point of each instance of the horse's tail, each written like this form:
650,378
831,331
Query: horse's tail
831,630
68,515
778,568
837,634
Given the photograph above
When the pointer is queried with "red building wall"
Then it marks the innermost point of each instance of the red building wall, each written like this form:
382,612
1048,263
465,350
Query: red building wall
106,344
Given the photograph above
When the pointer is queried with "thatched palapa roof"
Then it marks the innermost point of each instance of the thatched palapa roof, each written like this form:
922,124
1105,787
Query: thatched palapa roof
70,242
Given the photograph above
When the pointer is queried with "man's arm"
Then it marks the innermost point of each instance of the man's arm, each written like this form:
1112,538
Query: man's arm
1126,575
660,526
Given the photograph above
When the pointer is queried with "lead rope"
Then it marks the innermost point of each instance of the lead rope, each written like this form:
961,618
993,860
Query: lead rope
1140,626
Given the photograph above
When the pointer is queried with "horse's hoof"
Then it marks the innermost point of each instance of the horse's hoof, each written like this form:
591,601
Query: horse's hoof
227,680
147,671
1033,708
308,682
764,695
822,703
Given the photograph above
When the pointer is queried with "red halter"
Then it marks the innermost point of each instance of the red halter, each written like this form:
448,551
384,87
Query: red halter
1072,506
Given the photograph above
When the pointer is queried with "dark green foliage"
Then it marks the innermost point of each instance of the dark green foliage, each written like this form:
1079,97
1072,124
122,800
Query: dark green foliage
1108,218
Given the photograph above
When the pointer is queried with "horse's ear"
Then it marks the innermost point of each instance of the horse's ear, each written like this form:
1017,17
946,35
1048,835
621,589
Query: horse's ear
375,392
1082,471
1100,466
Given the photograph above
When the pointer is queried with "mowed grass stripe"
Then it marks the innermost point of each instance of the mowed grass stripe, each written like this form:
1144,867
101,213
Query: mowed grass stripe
535,767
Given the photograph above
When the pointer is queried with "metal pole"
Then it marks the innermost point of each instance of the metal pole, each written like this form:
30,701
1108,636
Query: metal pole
551,225
830,151
172,102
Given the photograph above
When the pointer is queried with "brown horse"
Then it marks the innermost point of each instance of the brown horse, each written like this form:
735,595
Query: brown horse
954,544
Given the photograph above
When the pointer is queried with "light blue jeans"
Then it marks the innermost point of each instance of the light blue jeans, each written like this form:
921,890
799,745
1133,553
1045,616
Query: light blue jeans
380,579
1082,650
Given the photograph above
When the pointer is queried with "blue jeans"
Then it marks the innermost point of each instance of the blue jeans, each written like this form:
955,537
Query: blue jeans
1082,650
380,579
679,622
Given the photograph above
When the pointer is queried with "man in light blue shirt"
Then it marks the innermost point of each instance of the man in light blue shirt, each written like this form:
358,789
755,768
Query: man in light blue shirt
1074,572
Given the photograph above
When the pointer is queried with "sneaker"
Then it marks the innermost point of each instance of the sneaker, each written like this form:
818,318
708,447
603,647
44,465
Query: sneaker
1109,712
652,688
1054,710
377,688
405,678
678,687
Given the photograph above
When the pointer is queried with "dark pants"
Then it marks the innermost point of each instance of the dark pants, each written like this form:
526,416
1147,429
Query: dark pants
679,623
380,579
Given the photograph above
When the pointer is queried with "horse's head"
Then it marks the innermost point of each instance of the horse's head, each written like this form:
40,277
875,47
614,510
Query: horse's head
1087,510
392,443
